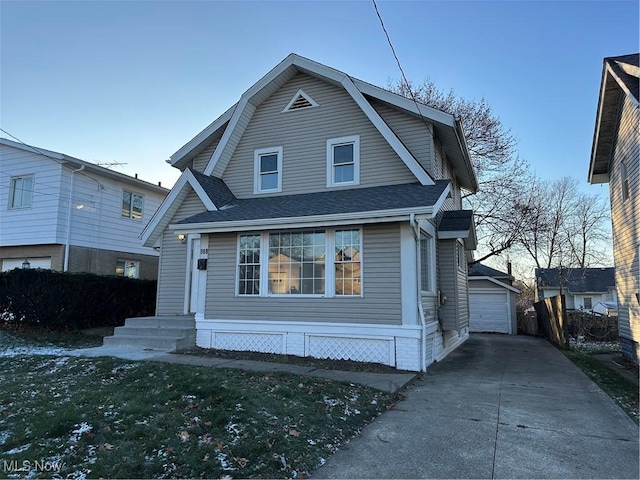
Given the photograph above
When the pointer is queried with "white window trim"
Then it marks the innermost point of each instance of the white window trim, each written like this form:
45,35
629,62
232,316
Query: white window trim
333,142
131,217
256,169
300,93
329,275
432,261
12,189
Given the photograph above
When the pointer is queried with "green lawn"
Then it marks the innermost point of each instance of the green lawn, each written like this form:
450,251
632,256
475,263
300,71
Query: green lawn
117,419
623,391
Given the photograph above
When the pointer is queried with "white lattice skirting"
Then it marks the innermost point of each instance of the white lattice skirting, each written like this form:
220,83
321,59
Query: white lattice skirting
398,346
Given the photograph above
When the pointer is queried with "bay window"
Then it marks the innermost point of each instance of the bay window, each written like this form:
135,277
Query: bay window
296,263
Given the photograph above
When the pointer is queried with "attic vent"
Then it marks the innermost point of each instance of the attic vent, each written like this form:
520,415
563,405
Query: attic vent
299,101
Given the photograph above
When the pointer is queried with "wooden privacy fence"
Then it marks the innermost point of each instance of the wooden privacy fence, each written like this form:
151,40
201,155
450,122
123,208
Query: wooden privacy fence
552,322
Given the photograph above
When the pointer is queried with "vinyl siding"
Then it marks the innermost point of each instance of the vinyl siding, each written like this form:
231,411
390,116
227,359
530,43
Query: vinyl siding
303,135
42,222
448,283
414,133
173,262
381,303
462,292
201,161
626,221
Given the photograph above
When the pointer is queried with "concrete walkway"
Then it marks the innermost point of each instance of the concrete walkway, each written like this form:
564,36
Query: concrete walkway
497,407
387,382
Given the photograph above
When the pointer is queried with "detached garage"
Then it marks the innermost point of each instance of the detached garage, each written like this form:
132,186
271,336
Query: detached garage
492,301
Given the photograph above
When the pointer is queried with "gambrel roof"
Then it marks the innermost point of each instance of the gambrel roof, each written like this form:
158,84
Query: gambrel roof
620,76
230,127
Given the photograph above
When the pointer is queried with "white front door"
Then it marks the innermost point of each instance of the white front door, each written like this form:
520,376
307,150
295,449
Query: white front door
198,254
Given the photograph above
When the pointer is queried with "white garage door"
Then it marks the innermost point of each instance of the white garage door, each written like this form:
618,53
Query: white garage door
11,263
488,312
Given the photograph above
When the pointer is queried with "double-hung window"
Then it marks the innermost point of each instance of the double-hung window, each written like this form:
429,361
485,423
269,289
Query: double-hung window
127,268
298,263
267,170
21,191
426,262
132,205
343,161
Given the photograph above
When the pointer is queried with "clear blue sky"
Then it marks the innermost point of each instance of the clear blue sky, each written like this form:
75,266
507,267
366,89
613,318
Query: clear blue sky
134,81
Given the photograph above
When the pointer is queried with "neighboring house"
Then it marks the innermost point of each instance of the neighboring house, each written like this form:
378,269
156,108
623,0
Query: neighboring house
97,232
583,288
321,216
492,300
615,158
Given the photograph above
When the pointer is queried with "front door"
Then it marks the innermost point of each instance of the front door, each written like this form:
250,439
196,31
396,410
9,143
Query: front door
198,259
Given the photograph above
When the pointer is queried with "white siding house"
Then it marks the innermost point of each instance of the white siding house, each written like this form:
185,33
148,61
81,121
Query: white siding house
98,231
615,159
310,219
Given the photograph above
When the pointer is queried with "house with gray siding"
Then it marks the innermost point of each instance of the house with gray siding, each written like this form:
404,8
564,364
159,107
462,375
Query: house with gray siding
320,216
615,159
65,214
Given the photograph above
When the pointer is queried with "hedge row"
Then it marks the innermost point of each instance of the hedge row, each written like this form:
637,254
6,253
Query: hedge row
72,301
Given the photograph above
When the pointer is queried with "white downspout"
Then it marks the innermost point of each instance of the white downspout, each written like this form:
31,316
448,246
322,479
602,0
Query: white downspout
423,323
66,246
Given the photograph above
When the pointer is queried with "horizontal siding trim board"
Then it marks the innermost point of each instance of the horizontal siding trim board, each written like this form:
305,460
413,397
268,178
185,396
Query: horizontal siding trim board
368,330
384,216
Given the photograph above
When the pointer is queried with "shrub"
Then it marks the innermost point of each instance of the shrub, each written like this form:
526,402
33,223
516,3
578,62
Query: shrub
71,301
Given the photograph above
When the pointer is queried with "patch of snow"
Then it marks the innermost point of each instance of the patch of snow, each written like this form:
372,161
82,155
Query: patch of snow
15,451
26,351
3,437
83,427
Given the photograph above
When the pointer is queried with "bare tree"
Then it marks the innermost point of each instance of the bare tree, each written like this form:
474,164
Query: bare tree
564,227
501,173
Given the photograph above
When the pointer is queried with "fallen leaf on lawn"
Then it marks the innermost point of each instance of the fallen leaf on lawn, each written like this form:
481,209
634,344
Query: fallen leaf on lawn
105,446
207,424
293,433
184,435
241,461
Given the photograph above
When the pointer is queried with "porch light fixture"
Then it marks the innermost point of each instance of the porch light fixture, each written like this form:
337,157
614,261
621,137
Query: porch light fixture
182,238
26,265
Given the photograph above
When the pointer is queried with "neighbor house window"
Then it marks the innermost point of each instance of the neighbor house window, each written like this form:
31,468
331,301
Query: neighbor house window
588,304
426,244
343,161
268,170
624,179
347,262
249,265
132,205
296,263
128,268
21,192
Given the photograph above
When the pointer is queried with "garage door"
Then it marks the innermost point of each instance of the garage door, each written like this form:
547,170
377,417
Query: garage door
488,312
11,263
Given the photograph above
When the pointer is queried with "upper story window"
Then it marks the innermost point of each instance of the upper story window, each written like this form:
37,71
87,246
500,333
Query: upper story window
267,176
132,205
21,191
343,161
624,181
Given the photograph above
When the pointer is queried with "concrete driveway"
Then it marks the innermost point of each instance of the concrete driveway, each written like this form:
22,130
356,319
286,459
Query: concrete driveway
498,407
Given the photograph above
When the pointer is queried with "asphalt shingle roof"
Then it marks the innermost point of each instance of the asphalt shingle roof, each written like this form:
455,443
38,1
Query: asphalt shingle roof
577,279
354,200
456,220
480,270
631,82
215,189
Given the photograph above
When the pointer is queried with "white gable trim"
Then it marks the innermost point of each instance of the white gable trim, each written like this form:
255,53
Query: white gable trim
202,136
497,282
621,84
169,206
288,67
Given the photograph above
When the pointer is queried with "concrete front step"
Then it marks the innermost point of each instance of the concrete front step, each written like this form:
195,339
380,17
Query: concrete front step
163,332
